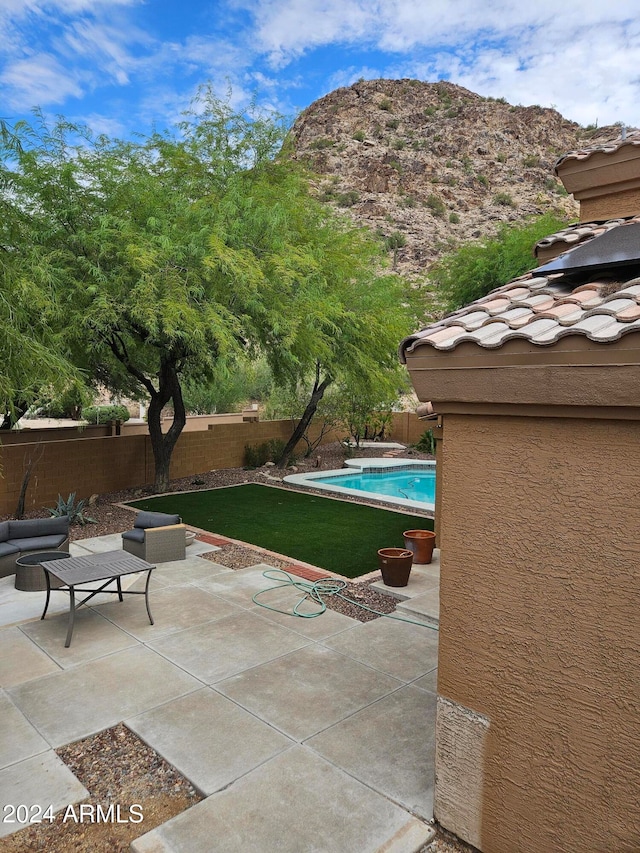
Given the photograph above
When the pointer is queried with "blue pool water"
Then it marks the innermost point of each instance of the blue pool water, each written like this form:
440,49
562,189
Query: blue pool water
415,485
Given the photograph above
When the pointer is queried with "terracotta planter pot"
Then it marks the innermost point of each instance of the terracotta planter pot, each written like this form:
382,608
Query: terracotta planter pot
395,565
420,543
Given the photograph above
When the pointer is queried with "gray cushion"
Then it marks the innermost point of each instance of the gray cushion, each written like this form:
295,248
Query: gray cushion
4,531
29,527
6,548
38,543
155,519
134,535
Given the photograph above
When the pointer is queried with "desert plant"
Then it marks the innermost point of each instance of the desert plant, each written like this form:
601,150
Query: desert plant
427,442
348,199
454,219
531,161
385,104
256,455
435,205
359,135
74,510
504,199
323,142
393,123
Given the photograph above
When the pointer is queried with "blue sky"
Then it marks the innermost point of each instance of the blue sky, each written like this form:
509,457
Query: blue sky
125,65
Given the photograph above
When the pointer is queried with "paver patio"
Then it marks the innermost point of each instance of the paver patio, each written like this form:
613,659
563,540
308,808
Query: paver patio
303,734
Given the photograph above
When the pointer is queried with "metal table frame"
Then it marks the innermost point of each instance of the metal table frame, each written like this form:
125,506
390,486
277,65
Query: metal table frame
108,567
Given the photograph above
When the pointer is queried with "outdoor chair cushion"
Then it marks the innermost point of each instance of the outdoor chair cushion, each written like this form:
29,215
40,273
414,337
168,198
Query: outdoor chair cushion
6,548
38,543
4,531
134,535
155,519
29,527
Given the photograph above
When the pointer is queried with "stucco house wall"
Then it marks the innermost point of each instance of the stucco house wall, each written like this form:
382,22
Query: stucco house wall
540,632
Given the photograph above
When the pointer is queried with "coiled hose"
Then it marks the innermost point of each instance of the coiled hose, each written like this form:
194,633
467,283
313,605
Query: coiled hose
318,591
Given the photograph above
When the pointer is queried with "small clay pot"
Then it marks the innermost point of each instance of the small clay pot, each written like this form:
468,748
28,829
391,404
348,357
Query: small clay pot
420,543
395,566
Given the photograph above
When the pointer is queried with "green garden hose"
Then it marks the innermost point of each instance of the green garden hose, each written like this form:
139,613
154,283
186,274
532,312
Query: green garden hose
318,591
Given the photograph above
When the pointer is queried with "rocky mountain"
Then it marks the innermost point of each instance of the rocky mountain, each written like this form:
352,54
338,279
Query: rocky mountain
431,165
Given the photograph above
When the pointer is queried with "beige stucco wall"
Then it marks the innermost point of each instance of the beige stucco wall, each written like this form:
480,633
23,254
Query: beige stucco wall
540,627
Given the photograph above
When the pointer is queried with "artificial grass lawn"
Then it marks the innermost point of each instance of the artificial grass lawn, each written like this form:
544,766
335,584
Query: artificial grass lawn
336,535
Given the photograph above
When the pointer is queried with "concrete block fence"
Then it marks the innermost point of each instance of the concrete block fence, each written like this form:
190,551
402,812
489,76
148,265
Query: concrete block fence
109,463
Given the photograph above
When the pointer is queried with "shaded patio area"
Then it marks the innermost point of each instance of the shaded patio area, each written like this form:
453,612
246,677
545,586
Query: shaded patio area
278,721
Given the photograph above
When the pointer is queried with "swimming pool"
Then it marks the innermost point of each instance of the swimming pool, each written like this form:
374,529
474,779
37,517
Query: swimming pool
397,481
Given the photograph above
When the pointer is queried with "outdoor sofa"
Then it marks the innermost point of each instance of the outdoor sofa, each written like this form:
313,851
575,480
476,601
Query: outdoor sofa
29,536
157,537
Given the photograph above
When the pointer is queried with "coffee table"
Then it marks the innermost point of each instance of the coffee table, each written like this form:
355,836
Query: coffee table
108,567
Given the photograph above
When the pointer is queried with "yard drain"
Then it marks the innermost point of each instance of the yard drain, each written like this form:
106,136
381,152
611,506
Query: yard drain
318,591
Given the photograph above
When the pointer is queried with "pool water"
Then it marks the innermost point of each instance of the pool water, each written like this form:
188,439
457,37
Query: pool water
415,485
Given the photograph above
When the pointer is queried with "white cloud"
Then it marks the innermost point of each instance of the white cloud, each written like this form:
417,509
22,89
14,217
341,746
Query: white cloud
39,79
583,59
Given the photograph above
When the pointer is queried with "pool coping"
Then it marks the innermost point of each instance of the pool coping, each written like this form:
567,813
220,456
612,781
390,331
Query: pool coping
308,480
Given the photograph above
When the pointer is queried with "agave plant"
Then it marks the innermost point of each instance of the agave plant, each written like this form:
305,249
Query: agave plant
74,510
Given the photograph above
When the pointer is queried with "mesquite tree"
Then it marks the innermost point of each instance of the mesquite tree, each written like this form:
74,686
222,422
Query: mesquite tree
175,254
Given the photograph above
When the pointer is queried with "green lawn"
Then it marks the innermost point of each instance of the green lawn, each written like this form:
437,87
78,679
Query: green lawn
336,535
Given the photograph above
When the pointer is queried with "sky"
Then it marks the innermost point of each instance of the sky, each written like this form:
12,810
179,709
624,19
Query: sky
128,66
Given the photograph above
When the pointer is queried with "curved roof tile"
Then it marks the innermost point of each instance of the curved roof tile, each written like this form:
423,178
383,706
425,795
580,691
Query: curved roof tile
540,310
631,137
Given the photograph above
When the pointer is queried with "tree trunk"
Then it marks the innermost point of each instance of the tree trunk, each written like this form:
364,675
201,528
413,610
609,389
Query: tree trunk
162,445
11,418
316,395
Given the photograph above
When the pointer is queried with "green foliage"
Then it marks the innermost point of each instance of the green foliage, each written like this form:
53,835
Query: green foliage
256,455
322,143
501,157
396,240
68,404
454,218
483,180
74,510
504,199
385,104
531,161
430,111
475,269
399,144
105,414
427,442
232,385
359,135
436,205
393,123
348,199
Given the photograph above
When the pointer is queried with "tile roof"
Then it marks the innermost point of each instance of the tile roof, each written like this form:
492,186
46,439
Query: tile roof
631,138
539,309
579,232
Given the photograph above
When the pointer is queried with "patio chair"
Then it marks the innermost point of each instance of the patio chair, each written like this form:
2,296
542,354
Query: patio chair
156,537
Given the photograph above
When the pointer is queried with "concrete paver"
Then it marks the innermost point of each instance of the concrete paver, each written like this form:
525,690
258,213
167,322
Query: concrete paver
81,701
174,608
93,636
295,802
227,646
307,690
389,746
400,649
41,781
21,660
211,740
428,682
240,586
18,738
